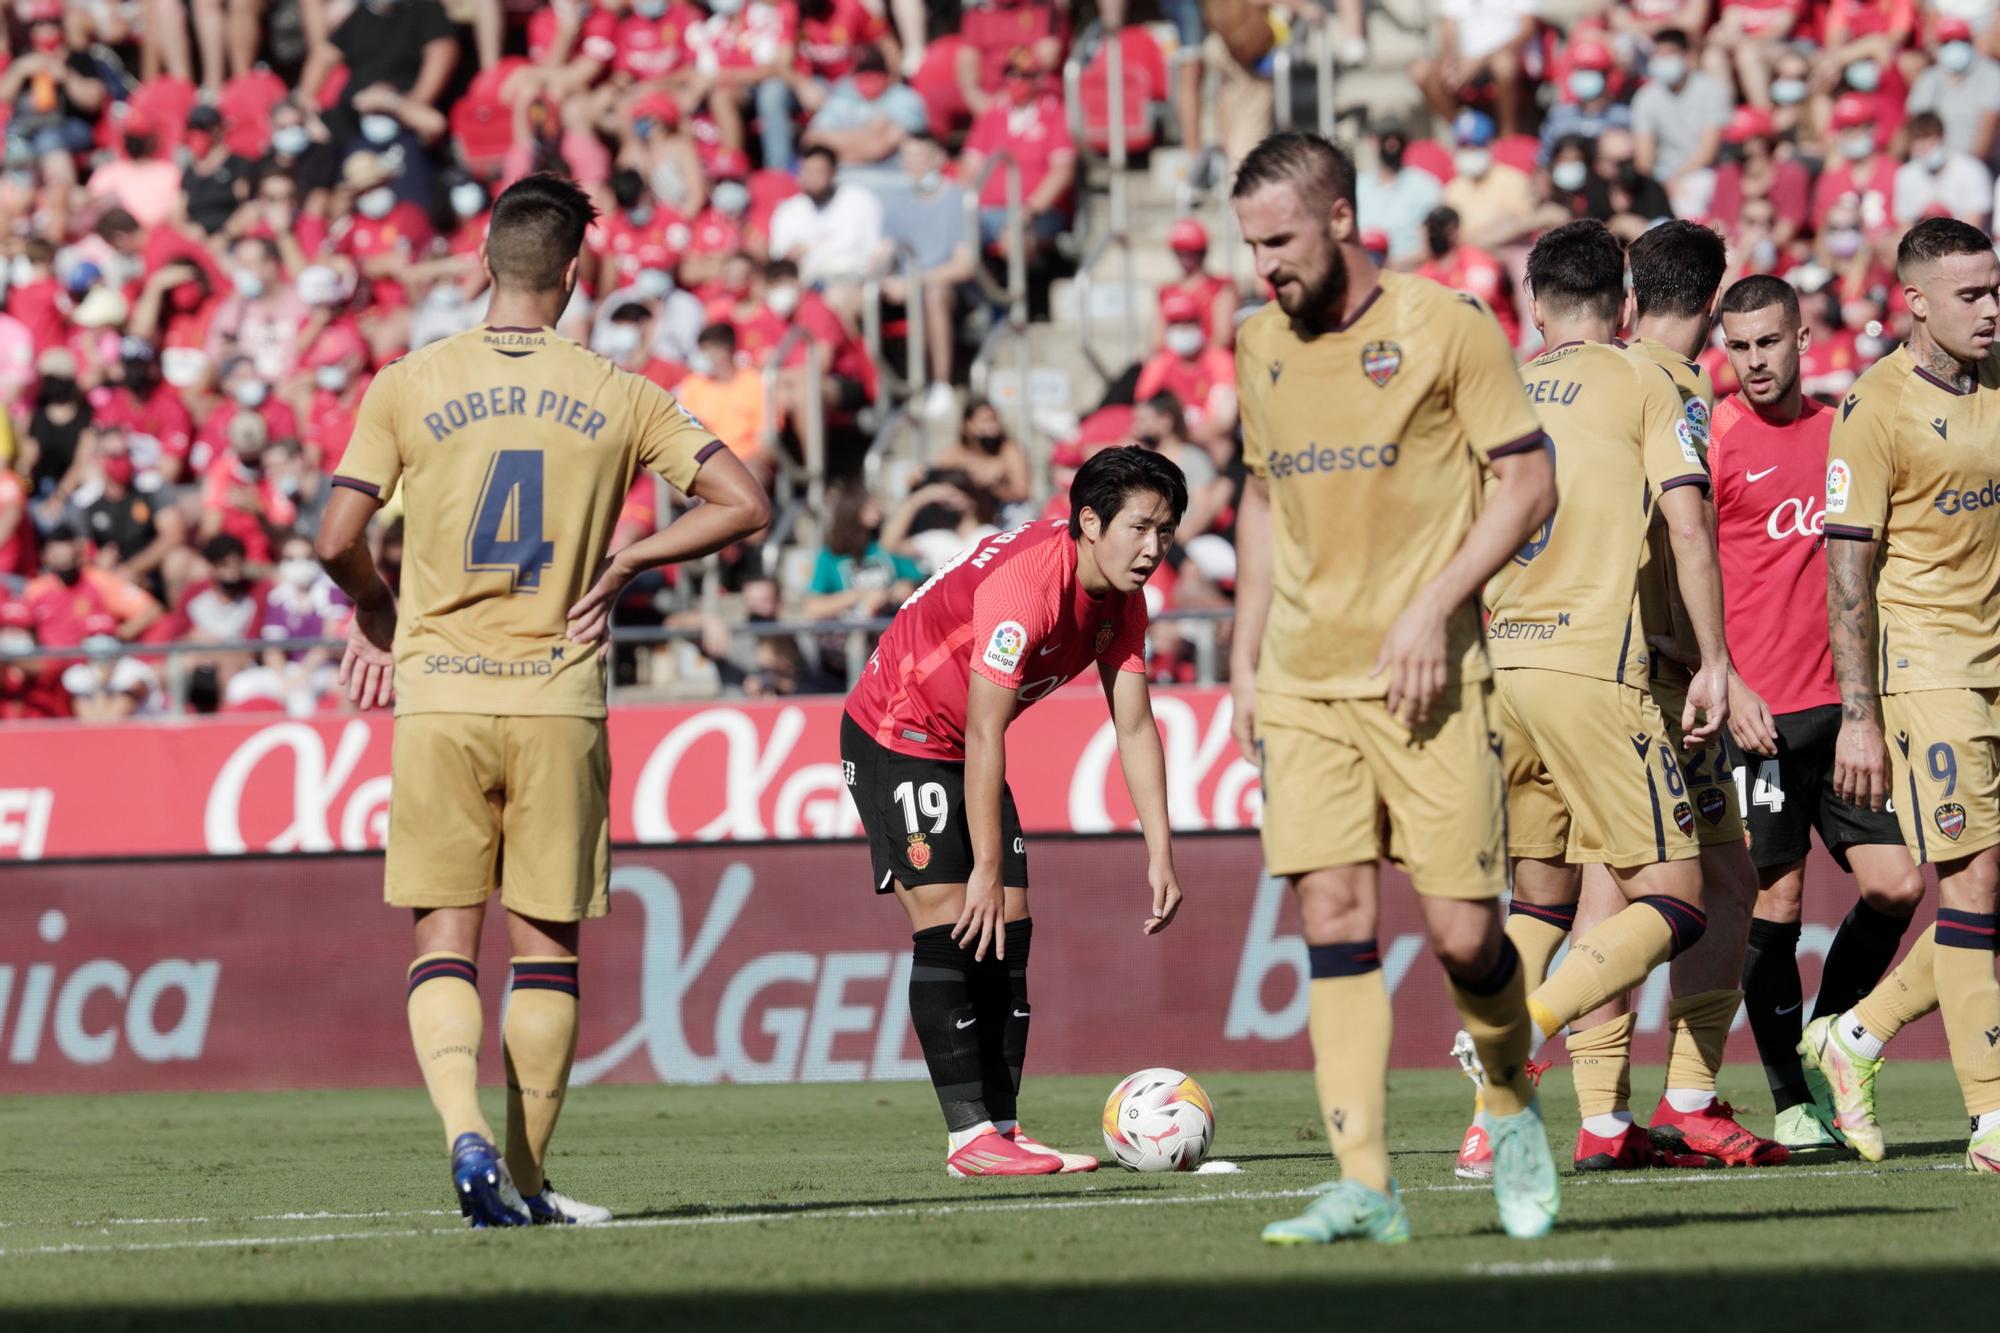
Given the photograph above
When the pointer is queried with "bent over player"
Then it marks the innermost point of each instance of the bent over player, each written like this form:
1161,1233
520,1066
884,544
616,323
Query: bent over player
1375,409
1913,612
923,751
513,449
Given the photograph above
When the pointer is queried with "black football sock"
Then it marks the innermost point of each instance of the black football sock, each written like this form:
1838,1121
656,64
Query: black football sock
1772,998
947,1024
1014,1032
1000,997
1861,952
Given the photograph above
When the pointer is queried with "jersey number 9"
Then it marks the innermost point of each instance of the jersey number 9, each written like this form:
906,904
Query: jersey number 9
506,532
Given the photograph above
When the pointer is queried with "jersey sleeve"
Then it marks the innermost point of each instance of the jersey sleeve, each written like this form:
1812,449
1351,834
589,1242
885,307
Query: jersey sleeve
1486,392
671,441
373,462
1250,409
1127,651
1011,616
1666,441
1860,464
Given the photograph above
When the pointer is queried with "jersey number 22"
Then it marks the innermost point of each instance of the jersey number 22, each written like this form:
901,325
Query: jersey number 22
506,532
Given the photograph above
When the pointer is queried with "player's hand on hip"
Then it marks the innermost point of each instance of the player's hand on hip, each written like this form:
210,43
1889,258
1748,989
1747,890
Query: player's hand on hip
590,618
1860,764
1243,716
980,926
1166,896
1707,709
368,667
1750,718
1414,656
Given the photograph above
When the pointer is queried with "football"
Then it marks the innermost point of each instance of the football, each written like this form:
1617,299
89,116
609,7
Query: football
1158,1120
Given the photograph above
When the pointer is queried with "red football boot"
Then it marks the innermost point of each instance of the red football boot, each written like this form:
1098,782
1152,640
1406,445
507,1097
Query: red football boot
992,1155
1710,1137
1630,1151
1475,1155
1072,1162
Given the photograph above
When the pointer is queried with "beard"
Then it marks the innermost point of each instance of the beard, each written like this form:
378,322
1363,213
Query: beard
1320,299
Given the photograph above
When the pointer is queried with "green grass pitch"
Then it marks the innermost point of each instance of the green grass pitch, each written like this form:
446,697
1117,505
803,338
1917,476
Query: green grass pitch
827,1207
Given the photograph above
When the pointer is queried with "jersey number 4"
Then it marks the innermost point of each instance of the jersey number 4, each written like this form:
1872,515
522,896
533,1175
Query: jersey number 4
506,532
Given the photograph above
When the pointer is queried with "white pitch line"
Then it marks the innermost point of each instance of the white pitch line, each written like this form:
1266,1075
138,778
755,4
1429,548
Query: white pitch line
1604,1263
259,1217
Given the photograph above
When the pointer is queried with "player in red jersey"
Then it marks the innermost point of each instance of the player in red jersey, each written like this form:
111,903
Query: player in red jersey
923,752
1767,460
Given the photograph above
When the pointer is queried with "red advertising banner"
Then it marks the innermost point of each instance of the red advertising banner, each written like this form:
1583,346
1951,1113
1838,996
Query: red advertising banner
724,963
736,771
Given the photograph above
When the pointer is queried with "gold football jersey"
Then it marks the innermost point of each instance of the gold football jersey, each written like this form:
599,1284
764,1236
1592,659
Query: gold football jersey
1658,595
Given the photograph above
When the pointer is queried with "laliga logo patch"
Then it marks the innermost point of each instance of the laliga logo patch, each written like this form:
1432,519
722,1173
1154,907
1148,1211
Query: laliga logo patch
1380,361
1685,435
1838,480
920,851
1683,818
1713,803
1103,639
1950,819
1004,649
1697,415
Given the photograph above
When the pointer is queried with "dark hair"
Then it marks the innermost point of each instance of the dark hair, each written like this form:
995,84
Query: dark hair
973,407
1109,476
718,333
1676,268
1671,37
115,221
1319,169
628,187
1169,407
846,534
1924,125
61,532
221,547
870,60
1758,291
1578,266
1583,143
1939,238
536,229
820,150
266,247
781,270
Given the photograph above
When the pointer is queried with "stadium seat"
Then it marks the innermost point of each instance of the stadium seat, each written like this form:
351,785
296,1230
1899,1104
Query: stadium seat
1518,151
936,81
482,123
166,100
1432,156
245,105
1145,82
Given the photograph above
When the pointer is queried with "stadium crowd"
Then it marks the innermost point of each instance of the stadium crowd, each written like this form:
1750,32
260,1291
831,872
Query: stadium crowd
220,218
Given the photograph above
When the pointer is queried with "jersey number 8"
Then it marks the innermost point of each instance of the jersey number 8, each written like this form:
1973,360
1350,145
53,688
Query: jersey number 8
506,532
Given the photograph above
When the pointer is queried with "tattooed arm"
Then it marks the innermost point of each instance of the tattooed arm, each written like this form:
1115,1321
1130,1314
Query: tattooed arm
1860,759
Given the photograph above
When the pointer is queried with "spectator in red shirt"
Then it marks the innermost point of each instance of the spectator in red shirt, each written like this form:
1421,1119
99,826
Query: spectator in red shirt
339,365
1215,296
246,393
1466,268
718,230
748,49
28,690
1865,175
1000,35
35,297
230,604
848,376
1759,173
70,591
17,532
1201,377
1744,41
1028,121
384,235
264,317
239,500
1859,46
624,336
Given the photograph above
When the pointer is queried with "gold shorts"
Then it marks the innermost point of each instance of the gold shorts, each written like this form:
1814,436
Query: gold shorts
1708,772
1944,773
1591,771
1344,782
521,804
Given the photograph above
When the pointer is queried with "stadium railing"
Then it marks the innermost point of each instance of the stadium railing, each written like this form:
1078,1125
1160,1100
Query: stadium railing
1201,628
1117,222
1312,38
1013,296
808,472
890,384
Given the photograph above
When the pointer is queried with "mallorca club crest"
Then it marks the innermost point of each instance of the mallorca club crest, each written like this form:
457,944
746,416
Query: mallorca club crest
1103,639
1950,819
1683,818
920,851
1713,804
1380,361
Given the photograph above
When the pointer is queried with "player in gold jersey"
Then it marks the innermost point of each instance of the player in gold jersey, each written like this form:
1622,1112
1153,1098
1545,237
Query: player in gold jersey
513,449
1593,776
1913,612
1374,407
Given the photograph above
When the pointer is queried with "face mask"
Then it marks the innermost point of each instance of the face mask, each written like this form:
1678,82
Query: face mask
1391,152
782,300
183,367
1864,76
1858,145
68,576
929,182
291,141
17,641
1472,162
138,375
1667,69
1764,253
376,203
250,393
1568,176
1020,91
726,8
1934,160
654,283
1438,240
46,40
1788,92
199,142
641,215
616,341
1956,56
138,145
20,273
331,378
1843,242
1184,340
989,443
871,86
23,179
666,183
300,572
649,9
379,129
1587,84
1874,346
187,297
118,470
58,389
701,363
731,198
468,200
248,285
235,587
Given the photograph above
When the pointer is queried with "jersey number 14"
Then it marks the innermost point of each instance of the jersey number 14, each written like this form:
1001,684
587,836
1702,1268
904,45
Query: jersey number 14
506,532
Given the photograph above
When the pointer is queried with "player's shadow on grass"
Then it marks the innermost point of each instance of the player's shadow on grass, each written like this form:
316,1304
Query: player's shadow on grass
908,1201
1737,1216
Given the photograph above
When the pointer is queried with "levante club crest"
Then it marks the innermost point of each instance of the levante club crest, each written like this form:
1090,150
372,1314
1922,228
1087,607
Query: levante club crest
1380,361
1951,819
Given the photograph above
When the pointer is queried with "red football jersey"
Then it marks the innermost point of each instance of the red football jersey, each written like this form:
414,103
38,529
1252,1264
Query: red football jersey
1769,483
1010,608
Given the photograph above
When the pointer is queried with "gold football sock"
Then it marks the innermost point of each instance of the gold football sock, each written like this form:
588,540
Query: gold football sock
1906,994
444,1028
1348,1018
1538,933
1969,998
1697,1030
1614,958
540,1040
1494,1010
1600,1061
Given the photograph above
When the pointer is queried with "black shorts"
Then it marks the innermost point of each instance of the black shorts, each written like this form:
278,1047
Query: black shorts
1787,797
913,812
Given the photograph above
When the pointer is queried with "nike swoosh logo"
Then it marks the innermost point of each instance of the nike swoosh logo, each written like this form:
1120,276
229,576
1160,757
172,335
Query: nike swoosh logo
1046,651
967,1023
1792,1010
1759,476
1019,1014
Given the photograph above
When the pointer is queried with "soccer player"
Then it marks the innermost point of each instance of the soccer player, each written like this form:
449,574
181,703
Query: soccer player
923,750
1676,270
1593,774
513,449
1913,613
1376,407
1767,460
